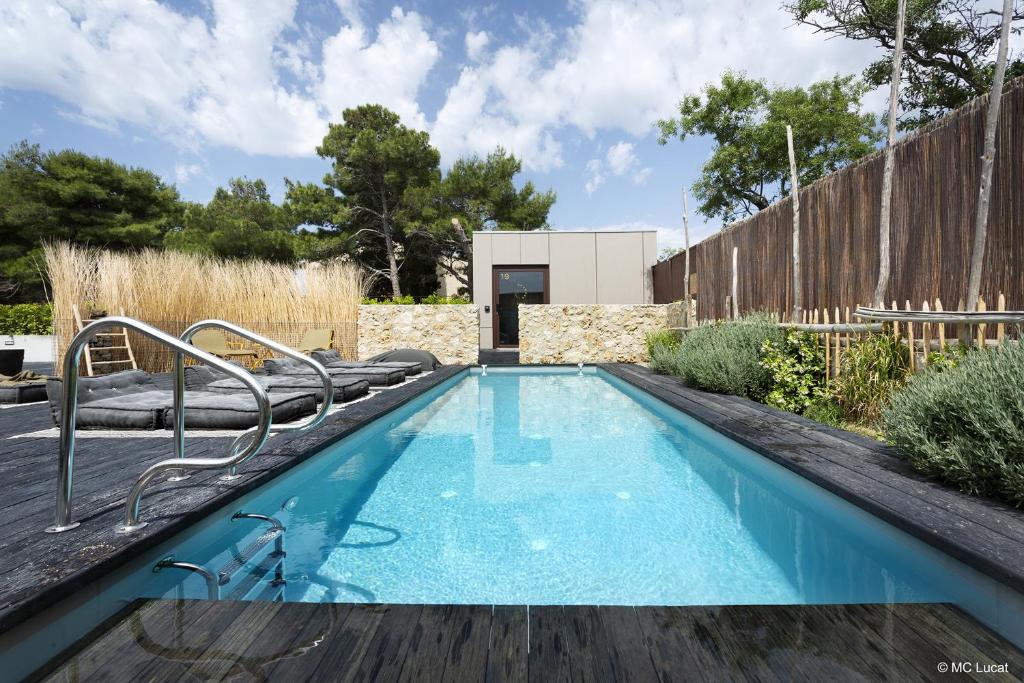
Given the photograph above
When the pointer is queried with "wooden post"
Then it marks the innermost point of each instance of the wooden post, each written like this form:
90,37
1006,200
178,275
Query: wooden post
1001,328
890,158
942,328
963,330
686,262
795,194
735,283
910,342
895,325
981,328
839,349
995,99
828,346
926,335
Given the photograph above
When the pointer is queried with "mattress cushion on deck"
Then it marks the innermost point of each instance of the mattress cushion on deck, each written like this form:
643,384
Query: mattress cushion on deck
374,375
143,410
121,400
332,359
345,388
377,377
209,410
426,359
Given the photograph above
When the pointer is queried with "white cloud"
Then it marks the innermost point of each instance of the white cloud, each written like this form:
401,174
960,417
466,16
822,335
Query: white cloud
626,63
476,43
185,172
595,176
388,70
251,78
620,160
238,81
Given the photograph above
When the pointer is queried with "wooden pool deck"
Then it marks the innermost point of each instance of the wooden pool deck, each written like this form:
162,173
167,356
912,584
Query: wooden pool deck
191,640
167,640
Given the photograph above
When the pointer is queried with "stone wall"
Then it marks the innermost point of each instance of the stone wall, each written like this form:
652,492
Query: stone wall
591,333
448,331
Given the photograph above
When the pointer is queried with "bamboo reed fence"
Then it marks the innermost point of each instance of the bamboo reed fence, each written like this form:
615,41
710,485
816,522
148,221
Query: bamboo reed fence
171,290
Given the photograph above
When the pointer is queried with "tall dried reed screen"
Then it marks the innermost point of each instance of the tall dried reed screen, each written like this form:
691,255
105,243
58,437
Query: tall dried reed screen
172,290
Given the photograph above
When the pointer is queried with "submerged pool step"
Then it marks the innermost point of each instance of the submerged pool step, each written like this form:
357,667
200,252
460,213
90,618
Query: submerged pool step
264,581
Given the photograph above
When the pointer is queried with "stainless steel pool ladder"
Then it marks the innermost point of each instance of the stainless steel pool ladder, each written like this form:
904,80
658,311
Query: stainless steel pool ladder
242,449
216,580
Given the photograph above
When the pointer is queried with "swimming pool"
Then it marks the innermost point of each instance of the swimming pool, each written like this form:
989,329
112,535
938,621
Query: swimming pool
534,486
556,486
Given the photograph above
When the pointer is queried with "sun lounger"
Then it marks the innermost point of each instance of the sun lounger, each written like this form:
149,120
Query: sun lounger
205,378
132,400
332,359
376,376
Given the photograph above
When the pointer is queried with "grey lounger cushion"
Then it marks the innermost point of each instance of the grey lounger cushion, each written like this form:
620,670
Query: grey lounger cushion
27,392
425,358
332,359
376,376
204,378
207,410
122,400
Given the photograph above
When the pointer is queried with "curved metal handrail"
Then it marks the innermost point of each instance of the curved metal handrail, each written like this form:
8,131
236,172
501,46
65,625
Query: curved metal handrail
69,415
179,385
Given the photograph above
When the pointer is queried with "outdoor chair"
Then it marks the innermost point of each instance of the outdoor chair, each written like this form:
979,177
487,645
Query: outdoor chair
315,340
214,341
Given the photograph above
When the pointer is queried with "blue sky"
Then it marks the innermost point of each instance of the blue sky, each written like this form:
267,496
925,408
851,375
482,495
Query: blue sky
204,90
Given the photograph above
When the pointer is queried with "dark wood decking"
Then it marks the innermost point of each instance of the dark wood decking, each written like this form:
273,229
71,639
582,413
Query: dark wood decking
166,640
38,569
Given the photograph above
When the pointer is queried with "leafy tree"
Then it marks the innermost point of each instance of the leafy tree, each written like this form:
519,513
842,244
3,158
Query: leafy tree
379,166
478,194
747,118
68,195
239,222
948,47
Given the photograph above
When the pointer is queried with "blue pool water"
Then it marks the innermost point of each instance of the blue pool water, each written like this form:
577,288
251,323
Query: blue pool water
554,487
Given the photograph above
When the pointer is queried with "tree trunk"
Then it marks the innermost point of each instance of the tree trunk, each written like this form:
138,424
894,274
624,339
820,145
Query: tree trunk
686,261
795,193
466,245
987,162
389,246
886,209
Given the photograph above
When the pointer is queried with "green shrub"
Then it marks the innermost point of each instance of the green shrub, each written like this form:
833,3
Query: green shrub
825,410
392,301
662,339
435,299
965,424
407,300
723,357
871,371
26,319
797,366
948,358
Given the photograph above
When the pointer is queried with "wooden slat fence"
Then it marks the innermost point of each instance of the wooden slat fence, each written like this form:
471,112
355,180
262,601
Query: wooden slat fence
935,192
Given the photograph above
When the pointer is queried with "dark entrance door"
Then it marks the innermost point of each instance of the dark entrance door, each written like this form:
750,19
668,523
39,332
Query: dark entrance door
514,285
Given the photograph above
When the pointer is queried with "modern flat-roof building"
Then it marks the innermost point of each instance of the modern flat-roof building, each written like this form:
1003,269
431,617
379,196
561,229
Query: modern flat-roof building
548,267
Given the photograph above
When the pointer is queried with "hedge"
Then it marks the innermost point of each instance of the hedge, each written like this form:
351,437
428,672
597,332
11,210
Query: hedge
26,319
